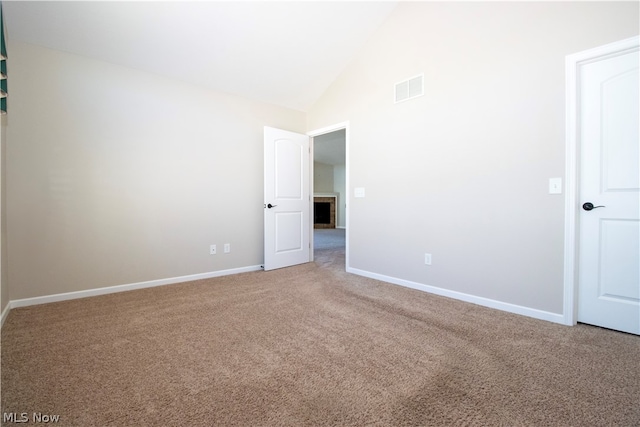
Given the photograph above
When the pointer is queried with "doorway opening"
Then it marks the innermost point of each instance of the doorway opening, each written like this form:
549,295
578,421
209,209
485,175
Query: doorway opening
601,245
329,189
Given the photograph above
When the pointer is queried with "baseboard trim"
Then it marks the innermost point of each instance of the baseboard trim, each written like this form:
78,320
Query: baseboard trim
485,302
5,313
122,288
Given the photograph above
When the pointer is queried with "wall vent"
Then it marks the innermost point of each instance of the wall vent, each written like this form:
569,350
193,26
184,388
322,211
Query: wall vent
410,88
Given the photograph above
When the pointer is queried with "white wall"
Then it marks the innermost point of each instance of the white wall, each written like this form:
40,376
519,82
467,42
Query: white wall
4,282
118,176
463,171
322,178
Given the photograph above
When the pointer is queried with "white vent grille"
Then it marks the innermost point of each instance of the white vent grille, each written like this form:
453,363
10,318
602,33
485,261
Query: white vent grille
410,88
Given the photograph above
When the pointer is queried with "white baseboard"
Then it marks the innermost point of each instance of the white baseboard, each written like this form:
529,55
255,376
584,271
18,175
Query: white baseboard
5,313
121,288
485,302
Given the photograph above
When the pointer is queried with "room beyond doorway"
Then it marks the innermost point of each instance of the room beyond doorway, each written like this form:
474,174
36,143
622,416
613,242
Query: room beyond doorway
330,184
332,239
329,247
329,172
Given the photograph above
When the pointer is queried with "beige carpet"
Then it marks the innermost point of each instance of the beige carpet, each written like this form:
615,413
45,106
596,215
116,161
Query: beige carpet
310,345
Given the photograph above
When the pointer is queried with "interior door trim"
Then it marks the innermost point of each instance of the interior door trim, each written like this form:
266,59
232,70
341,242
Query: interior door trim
322,131
572,62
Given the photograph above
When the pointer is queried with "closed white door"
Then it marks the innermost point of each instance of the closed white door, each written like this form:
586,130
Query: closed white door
609,193
287,201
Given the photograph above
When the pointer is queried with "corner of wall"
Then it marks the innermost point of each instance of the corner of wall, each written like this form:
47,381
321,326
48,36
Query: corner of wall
4,284
5,313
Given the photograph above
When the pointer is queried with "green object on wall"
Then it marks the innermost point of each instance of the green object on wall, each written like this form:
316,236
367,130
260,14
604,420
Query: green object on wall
3,66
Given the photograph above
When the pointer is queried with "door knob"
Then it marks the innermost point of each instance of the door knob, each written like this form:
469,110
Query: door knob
589,206
271,206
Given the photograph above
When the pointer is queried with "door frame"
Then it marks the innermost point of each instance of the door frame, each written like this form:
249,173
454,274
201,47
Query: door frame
572,168
313,134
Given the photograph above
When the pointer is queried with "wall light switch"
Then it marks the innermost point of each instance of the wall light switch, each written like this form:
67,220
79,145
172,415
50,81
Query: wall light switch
427,259
358,192
555,185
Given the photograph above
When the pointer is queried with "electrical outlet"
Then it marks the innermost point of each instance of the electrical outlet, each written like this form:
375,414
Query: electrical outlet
227,248
212,250
427,259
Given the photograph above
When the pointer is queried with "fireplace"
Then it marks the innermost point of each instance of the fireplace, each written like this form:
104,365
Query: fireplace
324,212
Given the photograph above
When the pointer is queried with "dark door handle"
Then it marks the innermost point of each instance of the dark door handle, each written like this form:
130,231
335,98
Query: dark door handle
589,206
271,206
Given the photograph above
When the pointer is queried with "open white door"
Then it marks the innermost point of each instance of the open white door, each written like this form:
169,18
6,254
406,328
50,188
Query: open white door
609,195
286,199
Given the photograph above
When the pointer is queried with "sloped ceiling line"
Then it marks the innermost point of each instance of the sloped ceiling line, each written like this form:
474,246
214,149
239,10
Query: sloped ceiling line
282,53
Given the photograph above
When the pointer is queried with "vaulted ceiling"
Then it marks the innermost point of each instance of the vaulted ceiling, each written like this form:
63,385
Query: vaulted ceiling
283,53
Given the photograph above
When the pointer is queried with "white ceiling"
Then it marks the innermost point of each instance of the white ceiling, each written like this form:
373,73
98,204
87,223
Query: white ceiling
283,53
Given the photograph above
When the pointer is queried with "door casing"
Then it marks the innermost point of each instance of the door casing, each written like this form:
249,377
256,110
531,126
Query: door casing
322,131
571,241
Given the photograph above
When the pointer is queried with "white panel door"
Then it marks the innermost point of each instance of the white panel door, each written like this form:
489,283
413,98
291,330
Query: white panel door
609,249
287,228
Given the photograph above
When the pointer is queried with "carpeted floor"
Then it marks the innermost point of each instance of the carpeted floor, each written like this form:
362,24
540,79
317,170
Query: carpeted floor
329,238
310,345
